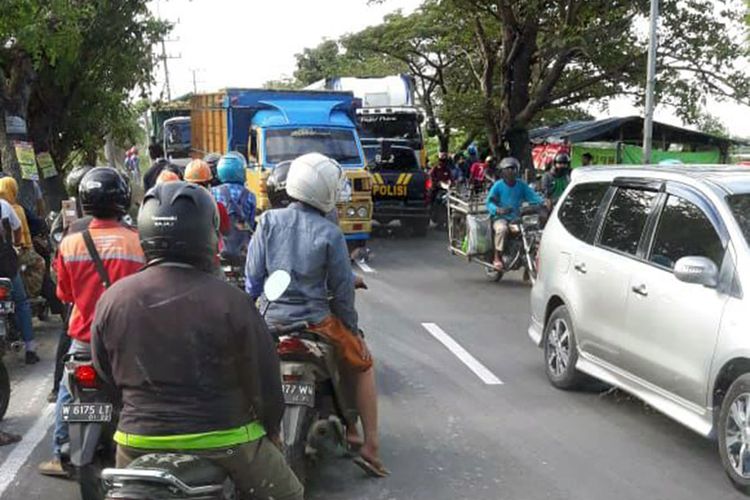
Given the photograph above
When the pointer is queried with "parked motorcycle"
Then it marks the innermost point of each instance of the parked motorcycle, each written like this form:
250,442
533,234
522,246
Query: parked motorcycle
522,243
7,306
178,476
92,421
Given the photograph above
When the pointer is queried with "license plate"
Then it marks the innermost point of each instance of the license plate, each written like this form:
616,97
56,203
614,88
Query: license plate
299,393
7,306
87,412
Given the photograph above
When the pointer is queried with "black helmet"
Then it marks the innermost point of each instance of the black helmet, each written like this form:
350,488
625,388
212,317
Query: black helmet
562,158
509,162
104,193
212,159
276,185
73,179
178,222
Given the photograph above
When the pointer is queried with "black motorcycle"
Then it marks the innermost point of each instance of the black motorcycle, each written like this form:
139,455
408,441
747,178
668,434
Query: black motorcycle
522,244
439,206
92,421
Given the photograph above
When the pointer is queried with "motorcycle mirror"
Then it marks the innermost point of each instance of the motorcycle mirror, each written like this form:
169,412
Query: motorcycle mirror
276,285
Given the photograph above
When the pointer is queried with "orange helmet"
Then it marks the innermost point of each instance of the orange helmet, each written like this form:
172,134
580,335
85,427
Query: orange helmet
167,176
198,172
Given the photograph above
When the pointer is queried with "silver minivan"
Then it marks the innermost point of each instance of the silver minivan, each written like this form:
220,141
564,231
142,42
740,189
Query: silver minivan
642,280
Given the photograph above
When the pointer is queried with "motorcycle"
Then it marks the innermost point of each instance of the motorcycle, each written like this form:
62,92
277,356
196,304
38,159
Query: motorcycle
234,272
178,476
91,419
7,306
522,244
317,401
439,206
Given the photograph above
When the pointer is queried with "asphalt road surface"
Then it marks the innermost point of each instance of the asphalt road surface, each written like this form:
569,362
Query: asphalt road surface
466,410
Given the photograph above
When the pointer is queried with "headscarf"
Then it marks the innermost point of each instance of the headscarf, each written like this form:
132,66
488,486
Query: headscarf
9,192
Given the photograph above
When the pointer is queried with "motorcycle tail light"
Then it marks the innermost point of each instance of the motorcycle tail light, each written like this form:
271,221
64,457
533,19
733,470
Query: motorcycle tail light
291,345
4,293
85,376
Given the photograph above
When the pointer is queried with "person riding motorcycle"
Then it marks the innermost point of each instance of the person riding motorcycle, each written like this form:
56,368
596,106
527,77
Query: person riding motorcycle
216,391
440,173
504,203
556,179
239,202
104,194
301,240
212,159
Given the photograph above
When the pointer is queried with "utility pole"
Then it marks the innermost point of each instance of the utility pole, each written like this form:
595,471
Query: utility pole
194,72
166,69
648,121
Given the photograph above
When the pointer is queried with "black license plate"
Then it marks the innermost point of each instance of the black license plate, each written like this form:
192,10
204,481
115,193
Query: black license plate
299,393
87,412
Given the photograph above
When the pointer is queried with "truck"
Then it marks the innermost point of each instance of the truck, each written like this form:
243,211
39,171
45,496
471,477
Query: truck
170,127
272,126
389,127
388,109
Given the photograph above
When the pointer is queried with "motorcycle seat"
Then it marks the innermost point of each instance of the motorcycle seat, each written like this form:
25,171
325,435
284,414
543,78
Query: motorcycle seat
190,469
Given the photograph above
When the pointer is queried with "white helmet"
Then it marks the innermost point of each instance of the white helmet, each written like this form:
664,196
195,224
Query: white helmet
314,179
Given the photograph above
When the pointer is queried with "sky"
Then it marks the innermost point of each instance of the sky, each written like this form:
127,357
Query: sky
245,43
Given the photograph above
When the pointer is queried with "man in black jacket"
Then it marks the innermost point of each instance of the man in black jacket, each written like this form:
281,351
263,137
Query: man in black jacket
189,354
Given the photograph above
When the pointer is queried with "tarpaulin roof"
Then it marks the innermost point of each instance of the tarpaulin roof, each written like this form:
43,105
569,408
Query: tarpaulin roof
624,129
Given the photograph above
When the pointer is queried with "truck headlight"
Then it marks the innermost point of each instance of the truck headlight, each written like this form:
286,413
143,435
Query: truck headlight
362,212
351,212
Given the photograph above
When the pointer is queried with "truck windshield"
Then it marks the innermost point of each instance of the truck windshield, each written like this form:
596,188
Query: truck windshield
288,144
398,158
177,134
391,126
740,206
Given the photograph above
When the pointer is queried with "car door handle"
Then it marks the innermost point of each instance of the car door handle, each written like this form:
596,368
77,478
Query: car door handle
580,267
641,290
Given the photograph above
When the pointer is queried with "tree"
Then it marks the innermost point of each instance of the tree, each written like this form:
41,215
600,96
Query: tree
540,54
74,106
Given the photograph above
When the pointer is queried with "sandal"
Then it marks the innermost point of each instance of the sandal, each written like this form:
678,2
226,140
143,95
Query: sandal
372,469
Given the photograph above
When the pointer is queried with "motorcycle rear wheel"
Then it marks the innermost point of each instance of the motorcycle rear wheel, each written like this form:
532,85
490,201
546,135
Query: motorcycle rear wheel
4,389
90,479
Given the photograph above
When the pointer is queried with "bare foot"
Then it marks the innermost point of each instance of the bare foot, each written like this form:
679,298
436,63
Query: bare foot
353,438
498,265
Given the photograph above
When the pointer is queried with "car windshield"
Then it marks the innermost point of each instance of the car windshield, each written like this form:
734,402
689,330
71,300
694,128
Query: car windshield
391,126
740,206
395,159
288,144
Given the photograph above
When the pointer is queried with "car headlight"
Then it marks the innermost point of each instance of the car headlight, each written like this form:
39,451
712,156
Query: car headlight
362,212
351,212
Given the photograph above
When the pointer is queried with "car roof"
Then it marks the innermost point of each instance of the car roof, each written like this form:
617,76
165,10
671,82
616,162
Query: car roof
728,179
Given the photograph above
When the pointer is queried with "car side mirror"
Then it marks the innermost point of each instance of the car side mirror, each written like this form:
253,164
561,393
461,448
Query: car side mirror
697,270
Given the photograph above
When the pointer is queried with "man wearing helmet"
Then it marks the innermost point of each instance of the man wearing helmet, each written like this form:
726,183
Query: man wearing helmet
301,240
556,180
199,172
103,194
239,202
504,203
216,391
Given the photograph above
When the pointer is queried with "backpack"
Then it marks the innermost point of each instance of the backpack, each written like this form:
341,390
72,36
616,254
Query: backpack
234,244
8,255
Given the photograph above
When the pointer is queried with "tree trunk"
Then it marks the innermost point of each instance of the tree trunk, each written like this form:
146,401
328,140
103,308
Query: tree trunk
444,139
12,167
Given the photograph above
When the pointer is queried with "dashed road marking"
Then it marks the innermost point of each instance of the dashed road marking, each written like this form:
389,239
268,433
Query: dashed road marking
470,361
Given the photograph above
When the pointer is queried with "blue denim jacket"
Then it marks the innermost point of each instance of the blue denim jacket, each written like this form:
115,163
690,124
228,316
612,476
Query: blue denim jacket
312,249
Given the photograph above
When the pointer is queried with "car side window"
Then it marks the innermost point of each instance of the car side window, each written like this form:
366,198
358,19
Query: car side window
626,218
684,230
578,210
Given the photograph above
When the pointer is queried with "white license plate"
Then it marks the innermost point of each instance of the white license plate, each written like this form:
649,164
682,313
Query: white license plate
299,393
7,306
87,412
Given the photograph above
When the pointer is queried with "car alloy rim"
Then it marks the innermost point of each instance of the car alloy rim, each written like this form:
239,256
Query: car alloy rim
737,435
558,347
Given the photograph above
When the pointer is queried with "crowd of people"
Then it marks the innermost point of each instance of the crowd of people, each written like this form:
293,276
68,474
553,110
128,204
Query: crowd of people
129,292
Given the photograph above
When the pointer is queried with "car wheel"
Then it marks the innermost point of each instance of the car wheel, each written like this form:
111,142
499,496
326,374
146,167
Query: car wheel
560,351
734,433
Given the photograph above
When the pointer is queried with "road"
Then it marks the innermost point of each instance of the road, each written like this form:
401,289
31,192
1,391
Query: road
446,432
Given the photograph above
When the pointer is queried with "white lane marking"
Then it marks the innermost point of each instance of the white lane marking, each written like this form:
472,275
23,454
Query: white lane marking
363,265
18,456
474,365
